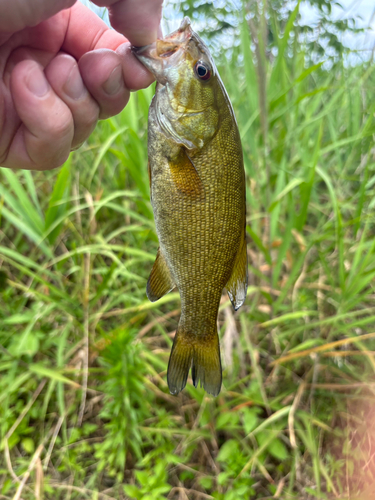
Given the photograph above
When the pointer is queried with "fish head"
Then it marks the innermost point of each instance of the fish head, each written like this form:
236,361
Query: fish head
189,85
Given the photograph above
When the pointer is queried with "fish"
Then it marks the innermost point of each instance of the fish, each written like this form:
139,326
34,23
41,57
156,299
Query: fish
197,192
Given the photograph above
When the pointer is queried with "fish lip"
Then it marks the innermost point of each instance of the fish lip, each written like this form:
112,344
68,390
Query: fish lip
155,61
157,56
137,51
175,36
147,56
144,53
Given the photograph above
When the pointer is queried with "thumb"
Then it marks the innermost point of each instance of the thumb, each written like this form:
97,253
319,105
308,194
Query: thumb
19,14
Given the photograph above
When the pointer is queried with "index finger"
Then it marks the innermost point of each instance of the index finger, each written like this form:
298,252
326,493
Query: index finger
138,20
86,32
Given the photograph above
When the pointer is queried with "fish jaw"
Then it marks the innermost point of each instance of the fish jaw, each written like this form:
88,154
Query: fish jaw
165,54
147,55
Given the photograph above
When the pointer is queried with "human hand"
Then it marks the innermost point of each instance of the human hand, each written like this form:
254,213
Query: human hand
62,70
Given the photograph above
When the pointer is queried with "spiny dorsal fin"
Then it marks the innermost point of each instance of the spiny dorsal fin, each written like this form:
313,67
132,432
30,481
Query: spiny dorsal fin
237,283
160,281
185,175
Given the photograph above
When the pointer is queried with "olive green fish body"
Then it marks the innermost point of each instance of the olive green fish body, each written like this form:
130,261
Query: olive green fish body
198,199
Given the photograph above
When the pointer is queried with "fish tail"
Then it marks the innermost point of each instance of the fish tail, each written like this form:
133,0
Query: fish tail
202,354
206,366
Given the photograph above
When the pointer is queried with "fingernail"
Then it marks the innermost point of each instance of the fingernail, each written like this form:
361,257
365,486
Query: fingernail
114,82
36,82
74,86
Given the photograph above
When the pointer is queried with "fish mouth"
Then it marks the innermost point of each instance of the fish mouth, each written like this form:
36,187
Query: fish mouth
163,53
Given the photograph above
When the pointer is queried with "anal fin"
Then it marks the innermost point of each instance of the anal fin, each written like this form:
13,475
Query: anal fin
237,283
160,281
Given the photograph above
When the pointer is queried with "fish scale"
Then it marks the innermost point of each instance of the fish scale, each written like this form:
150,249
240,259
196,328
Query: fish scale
198,198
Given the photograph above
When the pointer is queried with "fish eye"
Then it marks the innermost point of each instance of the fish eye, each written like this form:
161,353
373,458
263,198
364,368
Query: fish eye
202,70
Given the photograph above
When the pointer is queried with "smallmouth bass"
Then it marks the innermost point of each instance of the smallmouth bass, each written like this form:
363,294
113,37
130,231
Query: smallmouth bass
197,185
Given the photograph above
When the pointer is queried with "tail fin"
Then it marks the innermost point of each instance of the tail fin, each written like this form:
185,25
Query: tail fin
203,354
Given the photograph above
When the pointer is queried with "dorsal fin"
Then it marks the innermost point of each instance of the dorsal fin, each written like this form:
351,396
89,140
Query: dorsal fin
237,283
160,281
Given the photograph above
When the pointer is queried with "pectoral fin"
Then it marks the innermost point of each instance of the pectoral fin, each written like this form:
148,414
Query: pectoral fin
185,175
237,284
160,281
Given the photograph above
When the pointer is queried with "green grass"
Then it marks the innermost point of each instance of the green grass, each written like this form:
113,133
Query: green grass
85,410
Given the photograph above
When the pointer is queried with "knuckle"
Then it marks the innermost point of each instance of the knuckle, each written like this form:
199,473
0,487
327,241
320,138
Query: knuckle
55,160
60,125
115,106
84,124
3,157
89,119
